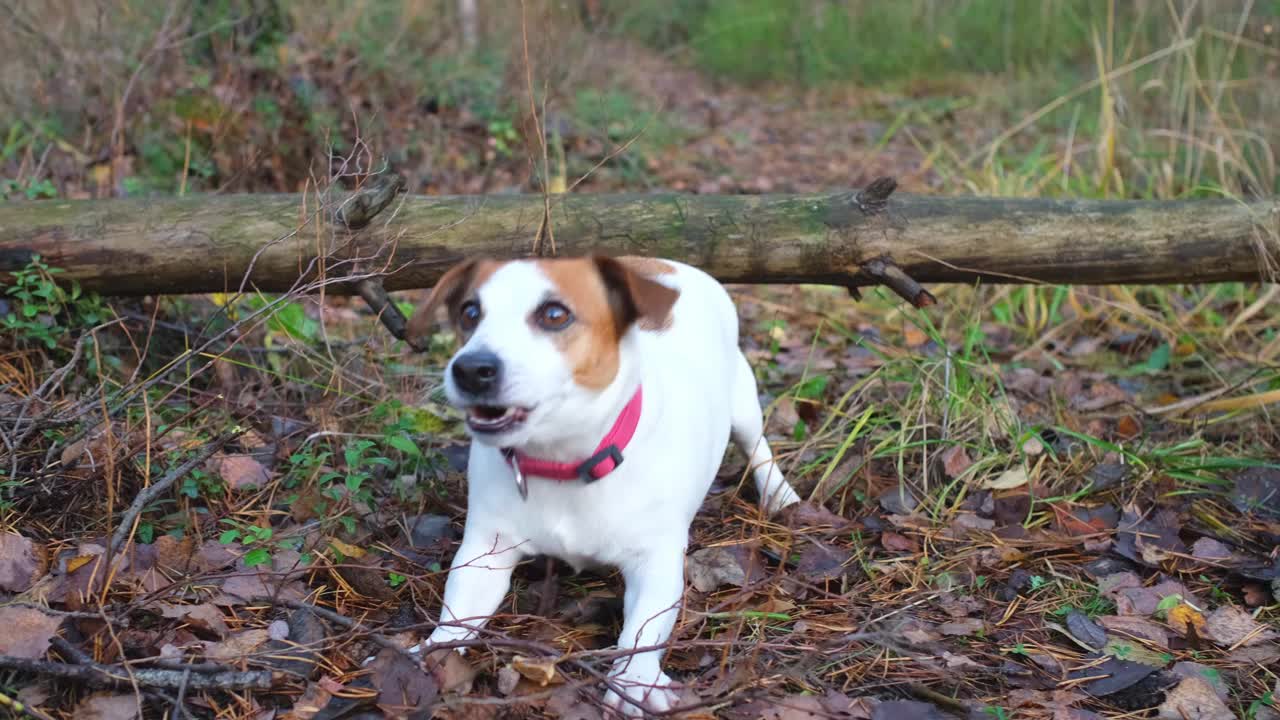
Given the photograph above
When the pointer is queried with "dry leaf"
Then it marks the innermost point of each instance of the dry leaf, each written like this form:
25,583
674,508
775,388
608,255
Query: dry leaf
19,565
1182,616
712,567
106,706
1229,626
966,626
539,670
955,460
27,632
240,472
1007,480
238,646
1194,699
897,543
205,616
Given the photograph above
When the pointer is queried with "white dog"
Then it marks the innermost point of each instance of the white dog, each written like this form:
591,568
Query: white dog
600,394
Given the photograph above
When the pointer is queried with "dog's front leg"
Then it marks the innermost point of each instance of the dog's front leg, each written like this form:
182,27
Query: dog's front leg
478,580
651,603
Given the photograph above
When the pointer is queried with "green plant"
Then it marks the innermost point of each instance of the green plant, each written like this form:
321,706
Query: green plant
255,538
46,312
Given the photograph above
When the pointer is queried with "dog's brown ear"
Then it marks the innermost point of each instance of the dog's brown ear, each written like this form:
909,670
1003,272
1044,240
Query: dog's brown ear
634,295
447,291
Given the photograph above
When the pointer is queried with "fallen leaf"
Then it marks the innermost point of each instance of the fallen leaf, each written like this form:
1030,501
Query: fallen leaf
106,706
955,460
1110,676
967,626
1194,699
1085,630
451,671
713,567
19,565
821,561
508,679
1257,490
401,684
1206,548
1185,619
898,500
241,472
907,710
897,543
27,632
347,549
1137,627
205,616
1229,626
1007,480
1212,676
539,670
238,646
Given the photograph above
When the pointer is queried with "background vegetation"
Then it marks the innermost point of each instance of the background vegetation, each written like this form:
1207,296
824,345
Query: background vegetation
1013,416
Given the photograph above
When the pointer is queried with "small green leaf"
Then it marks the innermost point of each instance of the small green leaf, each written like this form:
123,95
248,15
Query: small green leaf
256,557
404,445
229,536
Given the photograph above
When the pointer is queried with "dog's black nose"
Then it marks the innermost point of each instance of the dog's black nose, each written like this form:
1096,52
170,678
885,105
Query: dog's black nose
477,372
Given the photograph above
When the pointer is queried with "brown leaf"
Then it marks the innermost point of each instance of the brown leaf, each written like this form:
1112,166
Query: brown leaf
205,616
240,472
451,671
539,670
312,701
955,460
894,542
27,632
713,567
1194,699
401,684
1136,627
19,565
237,647
1229,626
106,706
966,626
821,561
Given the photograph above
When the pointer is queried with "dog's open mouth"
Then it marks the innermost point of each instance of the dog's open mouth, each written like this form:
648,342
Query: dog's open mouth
494,418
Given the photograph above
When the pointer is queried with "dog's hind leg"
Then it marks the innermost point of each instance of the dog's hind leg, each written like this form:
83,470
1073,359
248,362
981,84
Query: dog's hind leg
747,423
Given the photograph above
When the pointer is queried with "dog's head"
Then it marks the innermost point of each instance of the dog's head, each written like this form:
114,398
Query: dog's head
540,338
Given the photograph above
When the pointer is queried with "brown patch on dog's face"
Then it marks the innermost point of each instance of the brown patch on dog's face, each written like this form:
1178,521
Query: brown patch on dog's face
456,286
605,296
590,343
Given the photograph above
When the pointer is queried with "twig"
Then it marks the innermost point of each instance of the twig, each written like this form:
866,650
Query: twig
163,484
340,619
22,708
392,319
115,676
898,281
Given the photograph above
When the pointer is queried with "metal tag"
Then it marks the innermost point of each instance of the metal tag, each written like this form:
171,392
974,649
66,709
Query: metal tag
521,484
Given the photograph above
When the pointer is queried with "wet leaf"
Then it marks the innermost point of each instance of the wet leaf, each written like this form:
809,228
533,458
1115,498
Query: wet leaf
1086,630
1111,676
205,616
907,710
897,543
27,632
402,685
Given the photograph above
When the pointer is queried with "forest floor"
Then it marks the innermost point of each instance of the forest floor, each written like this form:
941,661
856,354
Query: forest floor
1024,502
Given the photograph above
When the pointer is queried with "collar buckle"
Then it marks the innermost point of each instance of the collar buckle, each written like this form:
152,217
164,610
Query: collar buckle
608,452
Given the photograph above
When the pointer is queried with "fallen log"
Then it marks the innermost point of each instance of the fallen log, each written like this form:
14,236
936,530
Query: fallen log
267,242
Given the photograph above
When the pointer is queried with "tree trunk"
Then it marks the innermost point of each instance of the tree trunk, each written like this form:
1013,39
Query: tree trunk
212,243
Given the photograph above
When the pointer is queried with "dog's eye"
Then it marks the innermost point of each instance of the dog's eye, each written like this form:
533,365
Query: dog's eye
553,316
469,315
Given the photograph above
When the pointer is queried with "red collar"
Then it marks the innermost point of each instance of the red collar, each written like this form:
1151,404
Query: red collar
607,457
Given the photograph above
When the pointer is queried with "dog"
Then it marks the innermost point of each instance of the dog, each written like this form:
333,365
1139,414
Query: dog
600,394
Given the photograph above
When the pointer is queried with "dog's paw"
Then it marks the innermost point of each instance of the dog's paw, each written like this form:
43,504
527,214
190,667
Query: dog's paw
645,693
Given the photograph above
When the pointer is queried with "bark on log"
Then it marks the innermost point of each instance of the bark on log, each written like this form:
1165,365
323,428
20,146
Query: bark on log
206,244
